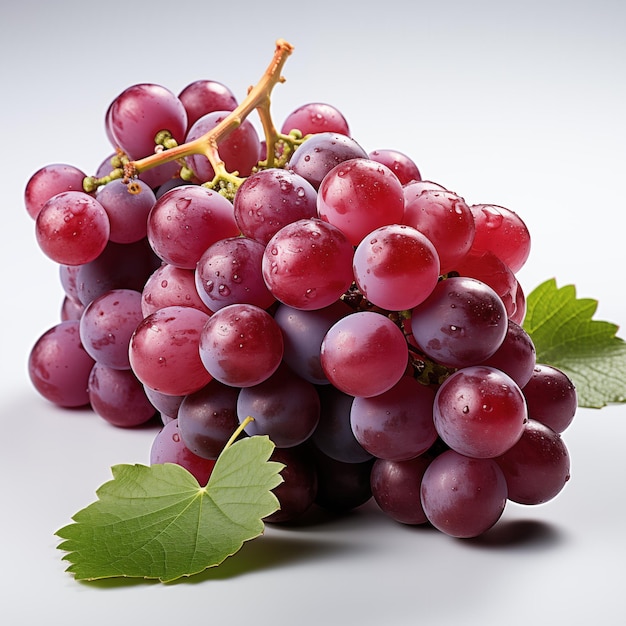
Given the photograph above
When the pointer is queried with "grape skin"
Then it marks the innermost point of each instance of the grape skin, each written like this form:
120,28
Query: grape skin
364,354
59,366
480,411
462,496
241,345
164,351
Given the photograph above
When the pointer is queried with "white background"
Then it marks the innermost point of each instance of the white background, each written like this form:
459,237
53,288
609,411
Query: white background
513,103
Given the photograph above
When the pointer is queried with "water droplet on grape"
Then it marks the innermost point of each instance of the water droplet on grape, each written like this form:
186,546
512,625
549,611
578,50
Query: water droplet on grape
161,360
465,409
224,290
164,284
182,204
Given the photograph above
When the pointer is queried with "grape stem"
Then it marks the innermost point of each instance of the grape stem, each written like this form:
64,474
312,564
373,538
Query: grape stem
258,98
238,432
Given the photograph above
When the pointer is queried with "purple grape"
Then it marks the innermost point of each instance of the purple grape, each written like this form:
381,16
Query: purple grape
461,496
284,406
537,467
207,419
551,397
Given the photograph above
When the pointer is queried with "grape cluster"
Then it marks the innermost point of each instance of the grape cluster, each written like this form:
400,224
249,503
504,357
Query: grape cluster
368,320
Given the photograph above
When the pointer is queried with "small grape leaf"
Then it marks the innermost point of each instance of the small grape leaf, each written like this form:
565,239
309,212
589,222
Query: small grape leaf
587,350
158,522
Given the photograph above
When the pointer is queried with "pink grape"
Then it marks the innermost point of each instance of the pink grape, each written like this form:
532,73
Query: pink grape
446,220
364,354
399,163
164,351
107,325
186,220
229,272
241,345
139,113
206,96
396,267
72,228
480,411
49,181
503,232
59,366
316,117
118,397
308,264
169,285
358,196
270,199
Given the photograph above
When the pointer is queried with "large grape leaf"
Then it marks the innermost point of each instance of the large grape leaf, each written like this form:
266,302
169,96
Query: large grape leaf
158,522
587,350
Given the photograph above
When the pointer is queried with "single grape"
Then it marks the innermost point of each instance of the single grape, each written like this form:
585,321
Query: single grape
59,366
461,323
314,118
186,220
270,199
284,406
118,397
399,163
240,150
334,435
107,325
119,266
516,355
446,220
229,272
207,418
164,351
503,232
308,264
358,196
364,354
396,267
168,447
480,411
396,488
241,345
298,490
206,96
169,285
551,397
128,206
72,228
396,424
49,181
320,153
141,111
537,467
461,496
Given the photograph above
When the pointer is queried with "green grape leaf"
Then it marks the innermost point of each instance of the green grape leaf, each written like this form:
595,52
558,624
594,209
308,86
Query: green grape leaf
587,350
157,522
